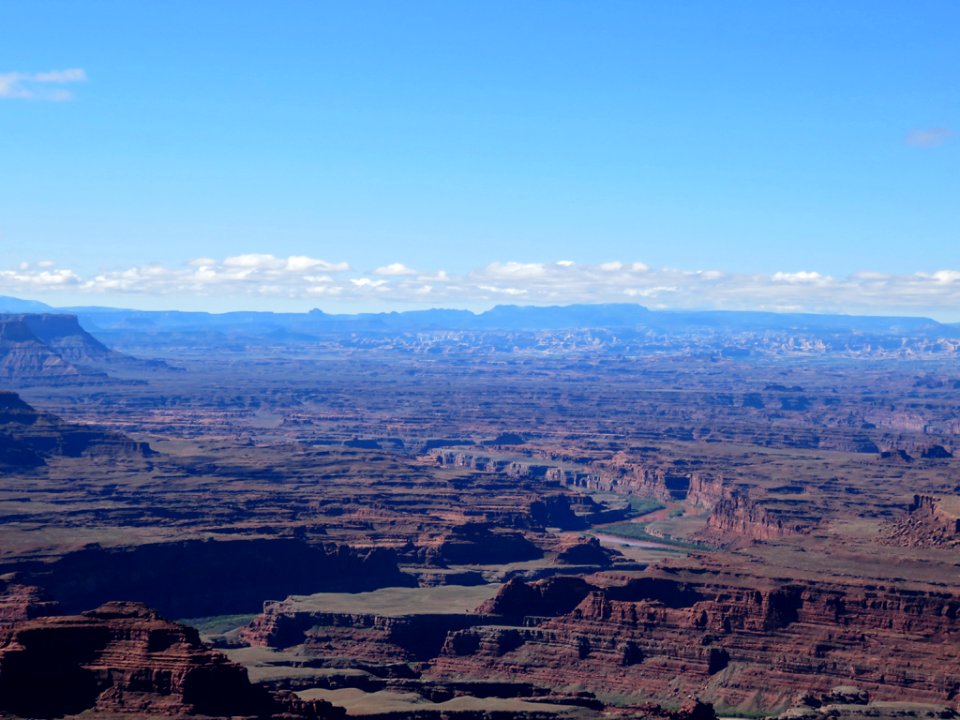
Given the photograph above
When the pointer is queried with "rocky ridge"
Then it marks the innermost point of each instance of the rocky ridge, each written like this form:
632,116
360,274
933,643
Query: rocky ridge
124,658
28,437
54,349
930,522
675,633
195,578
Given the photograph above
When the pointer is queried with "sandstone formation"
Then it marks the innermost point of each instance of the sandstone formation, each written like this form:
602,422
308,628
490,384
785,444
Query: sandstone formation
547,598
22,602
479,543
930,522
124,658
359,637
49,348
195,578
588,552
741,478
738,518
848,702
696,633
29,437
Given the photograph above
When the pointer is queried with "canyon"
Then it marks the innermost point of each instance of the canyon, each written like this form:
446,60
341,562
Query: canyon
534,519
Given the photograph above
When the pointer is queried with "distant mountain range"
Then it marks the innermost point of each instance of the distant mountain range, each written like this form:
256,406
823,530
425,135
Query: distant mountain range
16,305
501,317
625,326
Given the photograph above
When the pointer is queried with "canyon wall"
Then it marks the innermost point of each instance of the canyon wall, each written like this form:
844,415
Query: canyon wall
752,646
196,578
124,658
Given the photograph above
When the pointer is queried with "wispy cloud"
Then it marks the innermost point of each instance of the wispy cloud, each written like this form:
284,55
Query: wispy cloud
50,85
928,137
332,284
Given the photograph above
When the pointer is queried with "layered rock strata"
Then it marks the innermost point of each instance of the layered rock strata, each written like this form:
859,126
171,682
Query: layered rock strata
196,578
124,658
55,349
747,643
28,437
358,637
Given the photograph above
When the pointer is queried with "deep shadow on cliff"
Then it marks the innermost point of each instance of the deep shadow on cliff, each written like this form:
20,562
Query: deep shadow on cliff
124,658
29,437
196,578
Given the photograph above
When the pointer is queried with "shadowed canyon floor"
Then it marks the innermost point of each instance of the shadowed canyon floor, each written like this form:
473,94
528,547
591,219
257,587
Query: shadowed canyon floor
520,532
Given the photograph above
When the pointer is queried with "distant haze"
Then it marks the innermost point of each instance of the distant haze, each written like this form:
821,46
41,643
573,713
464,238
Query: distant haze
300,283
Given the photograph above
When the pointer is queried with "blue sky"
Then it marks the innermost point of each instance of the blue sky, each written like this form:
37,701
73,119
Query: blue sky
147,146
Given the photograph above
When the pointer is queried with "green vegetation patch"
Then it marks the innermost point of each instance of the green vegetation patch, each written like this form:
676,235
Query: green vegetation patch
442,599
638,531
644,506
359,703
217,624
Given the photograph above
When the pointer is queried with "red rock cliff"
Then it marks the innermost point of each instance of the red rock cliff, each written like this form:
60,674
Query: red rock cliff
124,658
742,642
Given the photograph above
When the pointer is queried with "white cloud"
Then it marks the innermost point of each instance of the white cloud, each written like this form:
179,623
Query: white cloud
257,262
512,269
799,277
946,276
611,266
40,86
251,261
395,269
302,263
262,275
928,137
202,261
496,290
649,292
39,279
439,276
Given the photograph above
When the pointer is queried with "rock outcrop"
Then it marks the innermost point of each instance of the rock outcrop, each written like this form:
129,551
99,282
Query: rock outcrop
848,702
739,518
124,658
547,598
196,578
930,522
587,551
746,643
666,482
55,349
478,543
22,602
706,491
28,437
358,637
